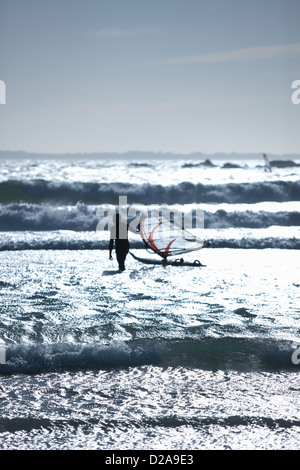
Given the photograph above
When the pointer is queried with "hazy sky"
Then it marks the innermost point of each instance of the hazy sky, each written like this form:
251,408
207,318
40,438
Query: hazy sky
158,75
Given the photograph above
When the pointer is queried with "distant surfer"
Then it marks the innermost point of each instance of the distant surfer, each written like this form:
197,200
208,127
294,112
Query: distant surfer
267,163
119,239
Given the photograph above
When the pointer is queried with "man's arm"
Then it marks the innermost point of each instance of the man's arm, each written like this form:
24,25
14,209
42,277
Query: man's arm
111,245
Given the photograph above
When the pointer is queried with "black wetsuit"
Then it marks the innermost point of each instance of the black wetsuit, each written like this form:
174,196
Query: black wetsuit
121,245
122,248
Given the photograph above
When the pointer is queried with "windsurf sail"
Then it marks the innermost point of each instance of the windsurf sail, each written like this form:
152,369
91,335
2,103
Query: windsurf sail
168,239
267,163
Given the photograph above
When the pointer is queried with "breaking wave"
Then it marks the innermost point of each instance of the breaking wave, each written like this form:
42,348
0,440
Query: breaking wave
81,217
41,191
208,353
64,240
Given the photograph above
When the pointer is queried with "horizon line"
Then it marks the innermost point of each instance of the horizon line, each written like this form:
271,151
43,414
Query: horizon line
146,153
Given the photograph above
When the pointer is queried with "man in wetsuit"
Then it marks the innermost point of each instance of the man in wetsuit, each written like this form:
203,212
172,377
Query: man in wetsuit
119,237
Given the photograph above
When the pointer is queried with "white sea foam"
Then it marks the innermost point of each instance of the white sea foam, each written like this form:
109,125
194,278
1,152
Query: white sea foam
152,357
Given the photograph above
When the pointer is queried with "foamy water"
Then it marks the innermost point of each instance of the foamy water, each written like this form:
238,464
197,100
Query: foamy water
153,357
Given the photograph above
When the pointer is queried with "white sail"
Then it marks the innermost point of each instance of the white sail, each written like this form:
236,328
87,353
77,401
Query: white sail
168,239
267,163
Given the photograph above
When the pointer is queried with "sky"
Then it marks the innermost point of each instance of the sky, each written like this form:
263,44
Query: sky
178,76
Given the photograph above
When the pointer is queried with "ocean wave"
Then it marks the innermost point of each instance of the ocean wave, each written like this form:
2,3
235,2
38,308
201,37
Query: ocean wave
206,353
208,164
68,240
41,191
251,219
284,163
258,243
36,217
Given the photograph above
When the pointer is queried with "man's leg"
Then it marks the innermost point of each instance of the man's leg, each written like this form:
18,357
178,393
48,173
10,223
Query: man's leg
121,255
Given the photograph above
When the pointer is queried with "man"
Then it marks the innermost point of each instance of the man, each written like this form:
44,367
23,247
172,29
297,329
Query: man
119,238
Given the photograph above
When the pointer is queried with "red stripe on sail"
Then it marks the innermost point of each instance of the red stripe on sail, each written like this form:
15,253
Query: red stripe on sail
150,239
168,247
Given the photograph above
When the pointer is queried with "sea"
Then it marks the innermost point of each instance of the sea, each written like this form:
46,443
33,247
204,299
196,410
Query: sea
155,357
